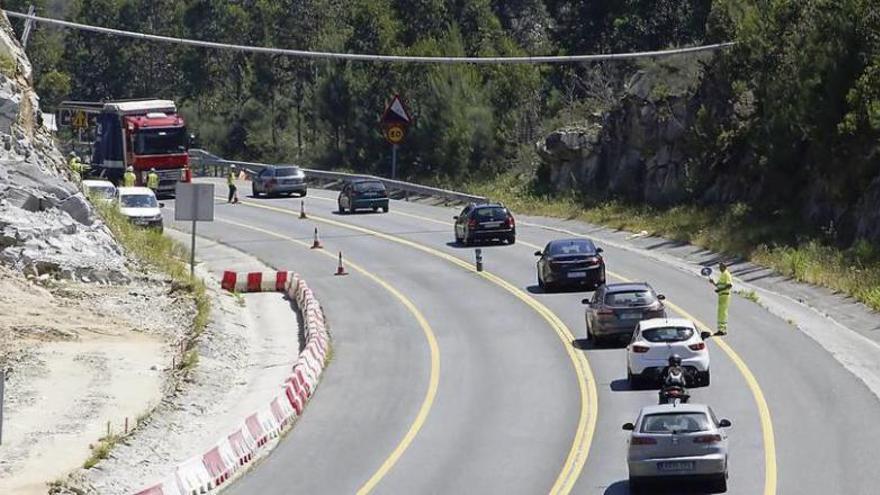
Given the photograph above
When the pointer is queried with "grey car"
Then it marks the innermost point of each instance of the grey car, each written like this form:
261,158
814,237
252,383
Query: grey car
275,181
683,442
615,309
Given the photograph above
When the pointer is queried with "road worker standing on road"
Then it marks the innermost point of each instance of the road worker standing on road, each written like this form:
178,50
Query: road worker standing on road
153,181
129,179
723,286
230,181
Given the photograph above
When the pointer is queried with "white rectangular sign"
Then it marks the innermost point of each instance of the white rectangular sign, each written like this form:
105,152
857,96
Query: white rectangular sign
194,202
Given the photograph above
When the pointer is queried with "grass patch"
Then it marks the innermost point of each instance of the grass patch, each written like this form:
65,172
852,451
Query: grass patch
751,295
190,360
774,241
8,65
101,450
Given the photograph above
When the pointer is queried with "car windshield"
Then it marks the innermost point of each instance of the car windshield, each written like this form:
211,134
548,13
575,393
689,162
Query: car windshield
641,297
287,171
490,213
104,192
138,201
369,187
675,423
160,141
571,247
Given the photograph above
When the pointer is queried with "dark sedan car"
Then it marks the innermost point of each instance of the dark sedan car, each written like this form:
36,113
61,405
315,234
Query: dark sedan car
274,181
363,194
484,222
570,262
615,309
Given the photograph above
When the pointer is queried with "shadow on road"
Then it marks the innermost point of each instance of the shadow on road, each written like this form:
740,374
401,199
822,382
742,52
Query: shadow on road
536,289
671,488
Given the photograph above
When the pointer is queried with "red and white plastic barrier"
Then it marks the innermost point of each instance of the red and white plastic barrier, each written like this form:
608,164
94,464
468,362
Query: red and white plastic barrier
205,473
255,281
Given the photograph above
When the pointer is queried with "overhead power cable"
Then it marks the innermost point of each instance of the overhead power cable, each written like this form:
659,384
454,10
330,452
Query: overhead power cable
361,57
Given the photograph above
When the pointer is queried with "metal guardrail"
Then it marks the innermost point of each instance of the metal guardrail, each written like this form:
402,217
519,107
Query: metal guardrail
208,164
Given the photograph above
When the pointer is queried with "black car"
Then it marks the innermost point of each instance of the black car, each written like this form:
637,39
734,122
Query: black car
570,263
363,194
615,309
274,181
484,222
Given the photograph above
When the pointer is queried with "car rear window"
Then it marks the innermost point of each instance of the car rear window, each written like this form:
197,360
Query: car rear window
630,298
675,422
138,201
369,187
490,213
667,334
286,171
572,247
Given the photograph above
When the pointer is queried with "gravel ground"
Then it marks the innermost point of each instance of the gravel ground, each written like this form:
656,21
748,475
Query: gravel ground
245,353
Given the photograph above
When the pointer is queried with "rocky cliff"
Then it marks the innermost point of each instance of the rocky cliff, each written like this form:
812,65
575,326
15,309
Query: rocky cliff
46,225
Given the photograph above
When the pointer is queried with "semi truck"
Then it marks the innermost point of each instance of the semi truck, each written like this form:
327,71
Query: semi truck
142,134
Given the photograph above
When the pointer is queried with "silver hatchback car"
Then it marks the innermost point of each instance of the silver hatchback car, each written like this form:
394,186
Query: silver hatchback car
677,442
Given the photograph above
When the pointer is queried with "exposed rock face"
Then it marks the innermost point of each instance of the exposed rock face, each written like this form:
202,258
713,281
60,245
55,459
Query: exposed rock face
637,150
46,225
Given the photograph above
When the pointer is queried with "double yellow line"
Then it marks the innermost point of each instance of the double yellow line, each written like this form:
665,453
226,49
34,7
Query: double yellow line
577,455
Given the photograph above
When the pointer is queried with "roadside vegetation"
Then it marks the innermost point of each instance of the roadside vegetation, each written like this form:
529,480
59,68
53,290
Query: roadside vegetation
776,243
167,256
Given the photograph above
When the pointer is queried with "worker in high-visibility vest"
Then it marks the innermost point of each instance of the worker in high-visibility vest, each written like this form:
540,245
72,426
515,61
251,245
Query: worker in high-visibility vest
230,181
153,181
723,287
76,168
129,179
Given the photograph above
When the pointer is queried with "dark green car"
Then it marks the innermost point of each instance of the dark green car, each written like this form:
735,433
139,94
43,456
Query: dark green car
363,194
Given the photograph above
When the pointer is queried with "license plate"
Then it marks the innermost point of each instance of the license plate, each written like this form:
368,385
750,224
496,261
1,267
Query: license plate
491,225
577,274
630,316
675,466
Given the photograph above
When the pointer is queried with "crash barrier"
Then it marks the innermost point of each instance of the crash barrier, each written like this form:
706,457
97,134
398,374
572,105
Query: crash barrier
207,164
215,467
254,281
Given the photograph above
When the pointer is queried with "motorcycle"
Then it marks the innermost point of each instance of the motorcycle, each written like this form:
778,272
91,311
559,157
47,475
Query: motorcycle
673,394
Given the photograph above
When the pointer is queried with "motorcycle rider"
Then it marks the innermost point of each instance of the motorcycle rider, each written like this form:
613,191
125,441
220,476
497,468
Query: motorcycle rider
673,376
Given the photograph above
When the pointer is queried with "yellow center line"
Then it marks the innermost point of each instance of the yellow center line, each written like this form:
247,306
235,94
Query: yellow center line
770,468
433,380
577,455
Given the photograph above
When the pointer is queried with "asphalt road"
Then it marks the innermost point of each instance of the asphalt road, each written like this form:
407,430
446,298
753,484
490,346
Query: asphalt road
512,410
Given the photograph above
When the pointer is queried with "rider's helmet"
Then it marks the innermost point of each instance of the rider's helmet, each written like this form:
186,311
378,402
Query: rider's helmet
675,360
153,169
130,168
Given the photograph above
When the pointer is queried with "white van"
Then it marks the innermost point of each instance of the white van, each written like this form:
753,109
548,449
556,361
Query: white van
139,204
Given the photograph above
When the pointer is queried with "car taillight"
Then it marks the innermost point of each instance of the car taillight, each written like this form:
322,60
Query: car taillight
643,441
605,312
699,346
707,438
187,175
510,222
639,349
592,260
472,223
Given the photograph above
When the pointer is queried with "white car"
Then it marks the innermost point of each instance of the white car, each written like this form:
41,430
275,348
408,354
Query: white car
99,190
139,204
655,340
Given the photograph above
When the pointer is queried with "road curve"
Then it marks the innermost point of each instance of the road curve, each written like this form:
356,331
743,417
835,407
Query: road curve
812,401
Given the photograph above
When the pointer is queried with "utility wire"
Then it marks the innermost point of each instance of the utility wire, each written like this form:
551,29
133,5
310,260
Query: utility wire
360,57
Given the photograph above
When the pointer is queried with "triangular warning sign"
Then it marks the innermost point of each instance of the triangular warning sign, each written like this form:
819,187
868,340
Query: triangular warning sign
396,113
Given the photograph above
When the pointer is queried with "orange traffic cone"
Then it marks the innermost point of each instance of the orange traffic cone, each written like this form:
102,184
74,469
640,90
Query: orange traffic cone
340,269
302,209
316,244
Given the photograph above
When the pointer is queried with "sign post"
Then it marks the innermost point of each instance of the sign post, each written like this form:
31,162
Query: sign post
395,120
195,203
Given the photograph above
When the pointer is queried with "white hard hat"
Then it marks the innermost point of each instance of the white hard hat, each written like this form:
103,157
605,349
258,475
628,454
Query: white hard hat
232,166
152,169
129,168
